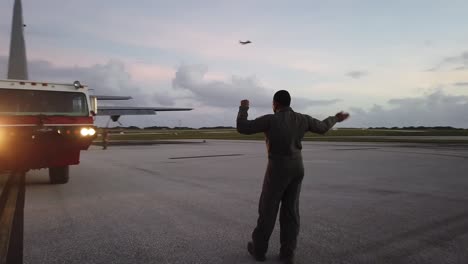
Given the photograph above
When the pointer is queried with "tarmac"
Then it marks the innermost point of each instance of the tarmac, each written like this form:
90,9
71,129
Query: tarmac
197,203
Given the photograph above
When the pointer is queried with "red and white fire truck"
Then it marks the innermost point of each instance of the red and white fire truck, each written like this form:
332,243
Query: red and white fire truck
44,125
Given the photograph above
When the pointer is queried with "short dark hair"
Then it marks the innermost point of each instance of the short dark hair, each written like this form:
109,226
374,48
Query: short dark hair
282,97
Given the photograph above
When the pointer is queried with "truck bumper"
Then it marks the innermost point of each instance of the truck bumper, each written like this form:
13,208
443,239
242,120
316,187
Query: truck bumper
44,151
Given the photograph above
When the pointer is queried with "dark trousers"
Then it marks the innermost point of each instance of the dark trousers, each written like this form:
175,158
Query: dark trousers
282,184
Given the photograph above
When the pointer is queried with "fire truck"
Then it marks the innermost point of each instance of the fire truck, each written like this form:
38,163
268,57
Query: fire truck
44,125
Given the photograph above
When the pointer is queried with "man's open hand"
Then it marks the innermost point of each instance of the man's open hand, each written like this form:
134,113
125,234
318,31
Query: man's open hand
342,116
244,103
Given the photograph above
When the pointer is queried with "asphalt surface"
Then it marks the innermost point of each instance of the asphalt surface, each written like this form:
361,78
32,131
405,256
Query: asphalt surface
440,138
360,203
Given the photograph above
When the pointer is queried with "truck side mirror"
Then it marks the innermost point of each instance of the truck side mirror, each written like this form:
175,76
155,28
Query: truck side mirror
93,101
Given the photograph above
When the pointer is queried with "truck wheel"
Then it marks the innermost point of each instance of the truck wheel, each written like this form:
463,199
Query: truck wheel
59,175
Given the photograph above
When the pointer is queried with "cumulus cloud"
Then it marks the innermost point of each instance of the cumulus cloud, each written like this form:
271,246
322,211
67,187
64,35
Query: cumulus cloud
215,101
458,62
434,109
111,78
190,83
356,74
461,84
459,59
192,78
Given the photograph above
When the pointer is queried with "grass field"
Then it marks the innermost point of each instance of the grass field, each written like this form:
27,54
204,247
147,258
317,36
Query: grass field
353,135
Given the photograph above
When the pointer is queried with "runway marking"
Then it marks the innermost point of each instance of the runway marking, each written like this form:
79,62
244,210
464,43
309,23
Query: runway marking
319,161
3,180
11,222
357,149
6,220
207,156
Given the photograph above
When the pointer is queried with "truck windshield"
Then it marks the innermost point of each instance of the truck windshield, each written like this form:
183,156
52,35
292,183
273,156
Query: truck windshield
37,102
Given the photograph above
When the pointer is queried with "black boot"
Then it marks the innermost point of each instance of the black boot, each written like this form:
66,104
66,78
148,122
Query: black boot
287,258
254,254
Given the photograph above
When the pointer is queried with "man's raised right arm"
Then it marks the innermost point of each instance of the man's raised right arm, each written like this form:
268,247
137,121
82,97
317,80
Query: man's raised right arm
247,127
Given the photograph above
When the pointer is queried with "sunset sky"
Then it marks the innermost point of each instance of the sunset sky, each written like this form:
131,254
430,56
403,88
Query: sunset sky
389,63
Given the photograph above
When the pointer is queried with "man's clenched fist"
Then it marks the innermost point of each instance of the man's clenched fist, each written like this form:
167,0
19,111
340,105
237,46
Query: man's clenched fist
244,103
342,116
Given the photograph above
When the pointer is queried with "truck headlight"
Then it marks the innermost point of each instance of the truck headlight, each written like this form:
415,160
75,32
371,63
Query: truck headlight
91,131
87,131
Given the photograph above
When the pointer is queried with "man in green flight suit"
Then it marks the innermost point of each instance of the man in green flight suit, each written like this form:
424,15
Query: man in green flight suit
284,131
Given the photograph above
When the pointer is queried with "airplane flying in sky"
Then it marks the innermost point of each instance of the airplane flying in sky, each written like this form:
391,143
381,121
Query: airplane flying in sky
245,42
17,70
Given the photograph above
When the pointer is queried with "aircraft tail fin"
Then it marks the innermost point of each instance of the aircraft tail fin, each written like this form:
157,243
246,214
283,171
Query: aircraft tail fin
17,63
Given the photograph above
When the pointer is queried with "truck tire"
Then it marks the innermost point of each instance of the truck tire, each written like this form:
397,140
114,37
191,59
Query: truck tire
59,175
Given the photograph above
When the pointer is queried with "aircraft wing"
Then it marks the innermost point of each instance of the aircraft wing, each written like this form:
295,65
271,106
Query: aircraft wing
134,110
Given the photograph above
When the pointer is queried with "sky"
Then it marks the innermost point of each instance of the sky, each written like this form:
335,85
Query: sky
388,63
